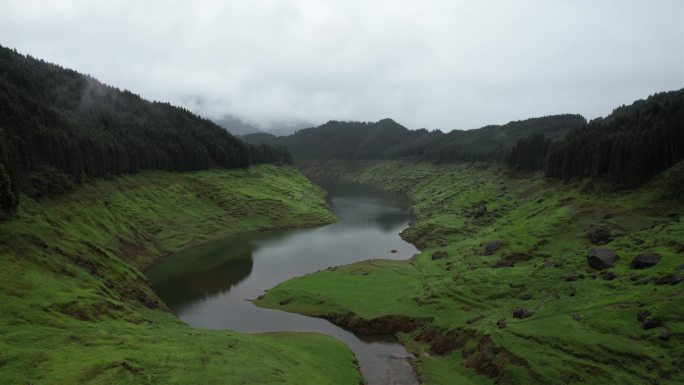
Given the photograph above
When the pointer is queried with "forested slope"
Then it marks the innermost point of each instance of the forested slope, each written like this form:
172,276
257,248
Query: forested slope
624,149
627,147
387,139
58,127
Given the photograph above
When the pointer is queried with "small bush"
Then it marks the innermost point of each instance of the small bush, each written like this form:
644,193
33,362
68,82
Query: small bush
673,184
47,181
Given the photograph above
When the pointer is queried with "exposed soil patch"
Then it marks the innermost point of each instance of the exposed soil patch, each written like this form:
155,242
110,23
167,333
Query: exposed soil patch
483,356
389,324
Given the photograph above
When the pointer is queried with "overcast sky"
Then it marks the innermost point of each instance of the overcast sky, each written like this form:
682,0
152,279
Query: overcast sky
435,64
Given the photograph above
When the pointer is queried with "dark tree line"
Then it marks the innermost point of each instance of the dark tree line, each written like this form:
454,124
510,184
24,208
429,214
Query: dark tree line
628,147
8,189
530,153
631,145
386,139
59,126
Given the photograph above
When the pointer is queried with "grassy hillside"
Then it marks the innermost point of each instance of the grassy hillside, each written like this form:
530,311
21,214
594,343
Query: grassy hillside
74,307
533,311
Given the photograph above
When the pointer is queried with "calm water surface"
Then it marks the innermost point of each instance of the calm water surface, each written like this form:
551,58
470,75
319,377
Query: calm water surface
210,286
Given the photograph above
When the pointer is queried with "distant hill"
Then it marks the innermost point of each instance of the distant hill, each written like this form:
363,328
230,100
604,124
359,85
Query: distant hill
237,126
58,127
625,148
387,139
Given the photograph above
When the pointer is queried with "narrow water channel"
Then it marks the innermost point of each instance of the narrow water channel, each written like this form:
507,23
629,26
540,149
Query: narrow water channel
209,286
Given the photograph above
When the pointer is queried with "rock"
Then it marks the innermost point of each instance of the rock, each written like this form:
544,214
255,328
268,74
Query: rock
651,323
285,301
601,259
671,279
680,250
393,251
525,297
522,312
491,247
475,319
598,235
642,315
576,317
501,324
543,242
608,216
511,259
572,278
607,275
481,211
439,255
503,263
645,260
665,336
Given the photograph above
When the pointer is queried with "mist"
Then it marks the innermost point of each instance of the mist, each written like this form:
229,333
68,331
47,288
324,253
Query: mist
438,64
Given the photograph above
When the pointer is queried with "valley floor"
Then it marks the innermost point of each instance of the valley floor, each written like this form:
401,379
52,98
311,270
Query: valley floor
75,308
502,291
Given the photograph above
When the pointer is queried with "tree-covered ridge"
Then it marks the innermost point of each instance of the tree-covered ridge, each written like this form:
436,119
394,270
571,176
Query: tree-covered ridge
627,147
387,139
496,141
58,126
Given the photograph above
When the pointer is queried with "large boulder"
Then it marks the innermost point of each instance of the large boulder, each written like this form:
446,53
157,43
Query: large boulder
511,259
439,255
645,260
601,259
491,247
599,235
522,313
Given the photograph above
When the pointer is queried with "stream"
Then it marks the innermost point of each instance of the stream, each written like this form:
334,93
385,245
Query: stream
209,286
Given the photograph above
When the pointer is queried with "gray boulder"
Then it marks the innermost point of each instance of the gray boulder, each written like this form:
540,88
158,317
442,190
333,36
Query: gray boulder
645,260
491,247
522,313
601,259
599,235
439,255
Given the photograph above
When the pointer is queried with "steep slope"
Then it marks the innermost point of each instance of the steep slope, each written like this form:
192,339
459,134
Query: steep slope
58,126
75,308
504,290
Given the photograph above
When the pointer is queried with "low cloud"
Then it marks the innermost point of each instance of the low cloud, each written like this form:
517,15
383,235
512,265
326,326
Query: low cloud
437,64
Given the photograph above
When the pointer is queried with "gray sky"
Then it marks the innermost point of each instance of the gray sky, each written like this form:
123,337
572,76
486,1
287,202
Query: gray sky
435,64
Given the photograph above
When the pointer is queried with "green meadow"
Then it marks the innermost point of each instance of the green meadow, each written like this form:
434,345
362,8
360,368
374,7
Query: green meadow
75,307
576,324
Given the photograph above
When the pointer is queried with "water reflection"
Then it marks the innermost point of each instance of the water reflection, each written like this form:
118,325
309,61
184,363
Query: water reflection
202,271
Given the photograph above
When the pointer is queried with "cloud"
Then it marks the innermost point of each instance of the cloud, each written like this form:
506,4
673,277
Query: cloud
435,64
